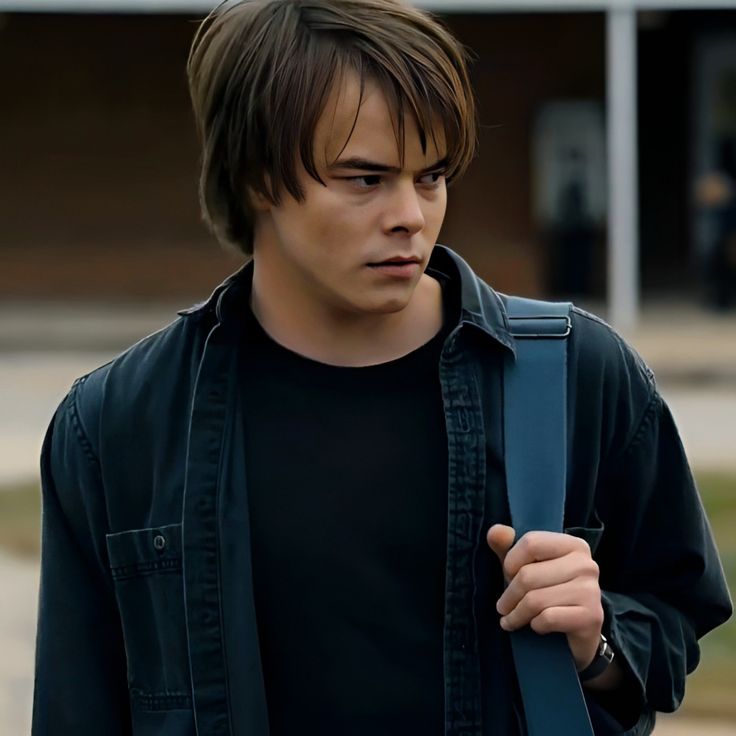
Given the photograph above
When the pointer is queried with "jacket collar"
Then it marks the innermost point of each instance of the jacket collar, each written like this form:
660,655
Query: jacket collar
480,306
232,286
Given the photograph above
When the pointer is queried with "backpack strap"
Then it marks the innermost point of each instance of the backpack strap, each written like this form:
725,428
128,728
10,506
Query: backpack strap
535,434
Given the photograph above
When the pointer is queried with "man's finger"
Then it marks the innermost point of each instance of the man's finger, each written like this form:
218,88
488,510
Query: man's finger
500,538
574,593
540,546
544,575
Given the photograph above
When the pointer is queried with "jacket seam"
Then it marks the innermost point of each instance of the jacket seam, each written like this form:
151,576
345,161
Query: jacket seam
621,343
637,432
142,569
639,429
78,424
160,701
223,643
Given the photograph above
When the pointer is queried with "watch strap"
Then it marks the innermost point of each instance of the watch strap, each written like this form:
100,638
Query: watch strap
603,658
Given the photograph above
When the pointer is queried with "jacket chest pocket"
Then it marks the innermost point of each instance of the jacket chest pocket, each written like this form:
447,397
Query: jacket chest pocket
146,567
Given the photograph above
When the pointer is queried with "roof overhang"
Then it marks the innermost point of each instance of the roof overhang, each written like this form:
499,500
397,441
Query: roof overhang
440,6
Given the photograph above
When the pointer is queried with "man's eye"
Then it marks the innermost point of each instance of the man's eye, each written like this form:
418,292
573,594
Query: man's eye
433,178
365,182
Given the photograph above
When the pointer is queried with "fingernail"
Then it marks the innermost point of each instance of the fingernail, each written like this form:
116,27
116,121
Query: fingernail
504,624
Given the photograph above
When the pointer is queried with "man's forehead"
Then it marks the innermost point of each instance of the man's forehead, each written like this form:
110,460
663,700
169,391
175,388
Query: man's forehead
367,129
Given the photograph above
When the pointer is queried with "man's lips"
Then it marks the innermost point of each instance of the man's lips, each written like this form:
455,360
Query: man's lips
396,262
397,269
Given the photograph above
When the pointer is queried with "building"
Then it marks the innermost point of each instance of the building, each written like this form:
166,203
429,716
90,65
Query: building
99,156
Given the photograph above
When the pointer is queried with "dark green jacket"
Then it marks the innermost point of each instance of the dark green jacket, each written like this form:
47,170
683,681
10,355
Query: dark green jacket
147,618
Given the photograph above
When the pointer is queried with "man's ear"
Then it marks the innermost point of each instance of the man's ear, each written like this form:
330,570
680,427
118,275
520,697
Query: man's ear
257,201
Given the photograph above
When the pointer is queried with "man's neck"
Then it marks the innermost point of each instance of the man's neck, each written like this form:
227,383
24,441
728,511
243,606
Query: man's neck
316,332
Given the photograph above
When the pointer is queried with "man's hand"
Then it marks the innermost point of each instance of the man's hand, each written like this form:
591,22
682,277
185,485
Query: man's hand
552,586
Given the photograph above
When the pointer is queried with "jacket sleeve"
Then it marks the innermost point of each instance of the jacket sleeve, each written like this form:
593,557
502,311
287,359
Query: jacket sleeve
662,580
80,677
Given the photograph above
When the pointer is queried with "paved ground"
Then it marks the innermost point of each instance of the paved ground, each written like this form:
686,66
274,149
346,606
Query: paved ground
18,602
31,386
674,726
43,348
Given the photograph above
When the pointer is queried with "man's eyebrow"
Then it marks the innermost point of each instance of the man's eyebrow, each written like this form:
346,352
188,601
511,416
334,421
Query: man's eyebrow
361,164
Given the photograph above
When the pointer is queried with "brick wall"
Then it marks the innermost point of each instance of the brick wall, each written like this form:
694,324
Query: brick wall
98,156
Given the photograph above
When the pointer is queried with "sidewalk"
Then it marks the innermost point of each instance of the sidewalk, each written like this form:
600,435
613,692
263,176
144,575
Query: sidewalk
84,327
18,604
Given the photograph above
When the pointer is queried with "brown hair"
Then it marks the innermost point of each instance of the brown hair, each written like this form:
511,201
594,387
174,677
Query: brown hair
260,73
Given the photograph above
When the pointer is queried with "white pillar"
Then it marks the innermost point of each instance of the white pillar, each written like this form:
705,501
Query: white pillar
623,216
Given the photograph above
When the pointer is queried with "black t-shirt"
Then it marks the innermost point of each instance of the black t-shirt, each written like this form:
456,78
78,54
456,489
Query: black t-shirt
347,487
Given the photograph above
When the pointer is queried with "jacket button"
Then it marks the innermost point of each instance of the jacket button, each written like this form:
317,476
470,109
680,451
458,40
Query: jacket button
159,542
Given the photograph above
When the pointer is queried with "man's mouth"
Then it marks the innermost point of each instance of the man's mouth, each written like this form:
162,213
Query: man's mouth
396,261
397,268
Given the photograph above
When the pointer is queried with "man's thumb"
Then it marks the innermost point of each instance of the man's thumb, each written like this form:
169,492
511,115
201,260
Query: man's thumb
500,538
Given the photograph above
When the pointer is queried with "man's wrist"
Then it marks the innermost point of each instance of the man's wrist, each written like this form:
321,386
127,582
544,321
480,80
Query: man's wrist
604,672
601,661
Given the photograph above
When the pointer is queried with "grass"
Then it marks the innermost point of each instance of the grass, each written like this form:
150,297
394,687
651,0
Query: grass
20,511
710,688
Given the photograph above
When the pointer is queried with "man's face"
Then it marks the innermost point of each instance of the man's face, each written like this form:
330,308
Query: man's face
370,210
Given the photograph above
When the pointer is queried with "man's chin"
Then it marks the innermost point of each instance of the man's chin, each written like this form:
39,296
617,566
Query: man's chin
389,306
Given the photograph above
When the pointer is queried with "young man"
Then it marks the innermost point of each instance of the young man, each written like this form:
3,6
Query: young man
286,512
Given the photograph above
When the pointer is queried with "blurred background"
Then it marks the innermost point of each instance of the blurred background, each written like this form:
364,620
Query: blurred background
607,174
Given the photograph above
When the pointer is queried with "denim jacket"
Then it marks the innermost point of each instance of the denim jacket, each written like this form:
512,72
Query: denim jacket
147,620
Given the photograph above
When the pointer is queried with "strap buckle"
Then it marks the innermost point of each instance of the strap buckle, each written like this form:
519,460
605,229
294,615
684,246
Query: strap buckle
541,327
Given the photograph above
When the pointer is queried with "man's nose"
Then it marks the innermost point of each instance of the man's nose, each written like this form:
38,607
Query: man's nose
405,213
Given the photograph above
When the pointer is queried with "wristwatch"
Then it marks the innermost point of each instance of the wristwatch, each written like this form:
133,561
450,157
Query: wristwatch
603,657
